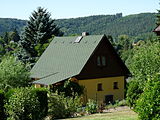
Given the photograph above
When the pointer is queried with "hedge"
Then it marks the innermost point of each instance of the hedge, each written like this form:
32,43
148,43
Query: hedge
27,103
43,100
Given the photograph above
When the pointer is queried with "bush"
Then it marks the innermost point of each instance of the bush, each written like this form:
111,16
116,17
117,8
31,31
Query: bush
23,104
41,94
133,93
62,107
2,114
122,103
145,62
13,73
91,106
117,103
148,104
69,88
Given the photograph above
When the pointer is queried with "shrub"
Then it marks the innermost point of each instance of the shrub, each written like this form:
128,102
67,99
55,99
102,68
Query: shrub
9,93
91,106
145,61
133,93
69,88
148,104
117,103
2,114
122,103
62,107
13,73
23,104
41,94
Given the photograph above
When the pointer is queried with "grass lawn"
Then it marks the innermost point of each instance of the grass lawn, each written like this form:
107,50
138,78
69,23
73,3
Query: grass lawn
121,113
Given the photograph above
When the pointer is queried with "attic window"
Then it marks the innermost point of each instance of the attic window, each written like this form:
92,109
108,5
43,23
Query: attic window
101,61
78,39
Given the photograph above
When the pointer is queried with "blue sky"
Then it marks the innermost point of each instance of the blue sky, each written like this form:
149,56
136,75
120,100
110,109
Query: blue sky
22,9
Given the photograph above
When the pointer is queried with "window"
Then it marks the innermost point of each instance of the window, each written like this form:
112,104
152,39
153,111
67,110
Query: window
115,85
78,39
99,87
98,61
103,58
101,61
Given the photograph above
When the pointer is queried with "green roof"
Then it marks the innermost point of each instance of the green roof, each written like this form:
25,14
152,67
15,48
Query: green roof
64,58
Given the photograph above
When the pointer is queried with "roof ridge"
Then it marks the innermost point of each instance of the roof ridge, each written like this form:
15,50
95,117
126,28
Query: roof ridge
78,36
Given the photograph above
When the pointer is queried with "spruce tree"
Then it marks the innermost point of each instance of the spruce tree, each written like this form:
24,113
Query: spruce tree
40,28
158,18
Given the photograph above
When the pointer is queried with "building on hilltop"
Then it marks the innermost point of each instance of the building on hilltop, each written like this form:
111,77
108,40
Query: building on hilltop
88,59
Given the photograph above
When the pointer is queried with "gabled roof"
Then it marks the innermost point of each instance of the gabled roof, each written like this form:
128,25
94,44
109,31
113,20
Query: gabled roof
157,29
64,58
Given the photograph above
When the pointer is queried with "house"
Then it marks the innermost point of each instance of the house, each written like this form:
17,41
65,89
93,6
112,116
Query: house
90,60
157,30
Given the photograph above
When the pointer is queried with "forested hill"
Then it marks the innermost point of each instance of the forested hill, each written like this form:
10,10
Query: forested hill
114,25
8,24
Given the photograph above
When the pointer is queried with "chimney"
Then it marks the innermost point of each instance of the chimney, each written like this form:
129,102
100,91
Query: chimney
85,34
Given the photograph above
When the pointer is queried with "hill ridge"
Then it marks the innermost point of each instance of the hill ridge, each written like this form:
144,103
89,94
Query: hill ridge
115,25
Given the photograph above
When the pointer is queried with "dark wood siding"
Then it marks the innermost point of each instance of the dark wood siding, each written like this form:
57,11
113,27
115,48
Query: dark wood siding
114,65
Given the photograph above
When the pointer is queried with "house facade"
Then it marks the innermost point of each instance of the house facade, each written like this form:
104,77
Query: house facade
90,60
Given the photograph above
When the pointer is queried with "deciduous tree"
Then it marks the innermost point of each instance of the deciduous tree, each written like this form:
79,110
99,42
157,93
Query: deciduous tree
13,73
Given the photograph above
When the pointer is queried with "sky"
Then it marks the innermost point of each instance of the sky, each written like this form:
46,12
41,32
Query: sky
22,9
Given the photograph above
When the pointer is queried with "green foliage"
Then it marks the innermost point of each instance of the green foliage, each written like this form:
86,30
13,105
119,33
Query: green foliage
145,61
124,45
40,28
133,93
9,43
115,25
91,106
23,104
15,36
61,107
117,103
8,25
148,104
41,94
121,103
126,55
158,18
69,88
13,73
40,48
124,42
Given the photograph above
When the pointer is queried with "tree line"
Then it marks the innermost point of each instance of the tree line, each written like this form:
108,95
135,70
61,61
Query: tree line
115,25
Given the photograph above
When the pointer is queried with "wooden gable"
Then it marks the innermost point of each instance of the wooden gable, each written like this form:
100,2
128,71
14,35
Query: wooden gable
157,30
114,65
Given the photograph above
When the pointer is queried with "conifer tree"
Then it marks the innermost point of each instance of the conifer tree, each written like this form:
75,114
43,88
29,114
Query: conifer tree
158,18
40,28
